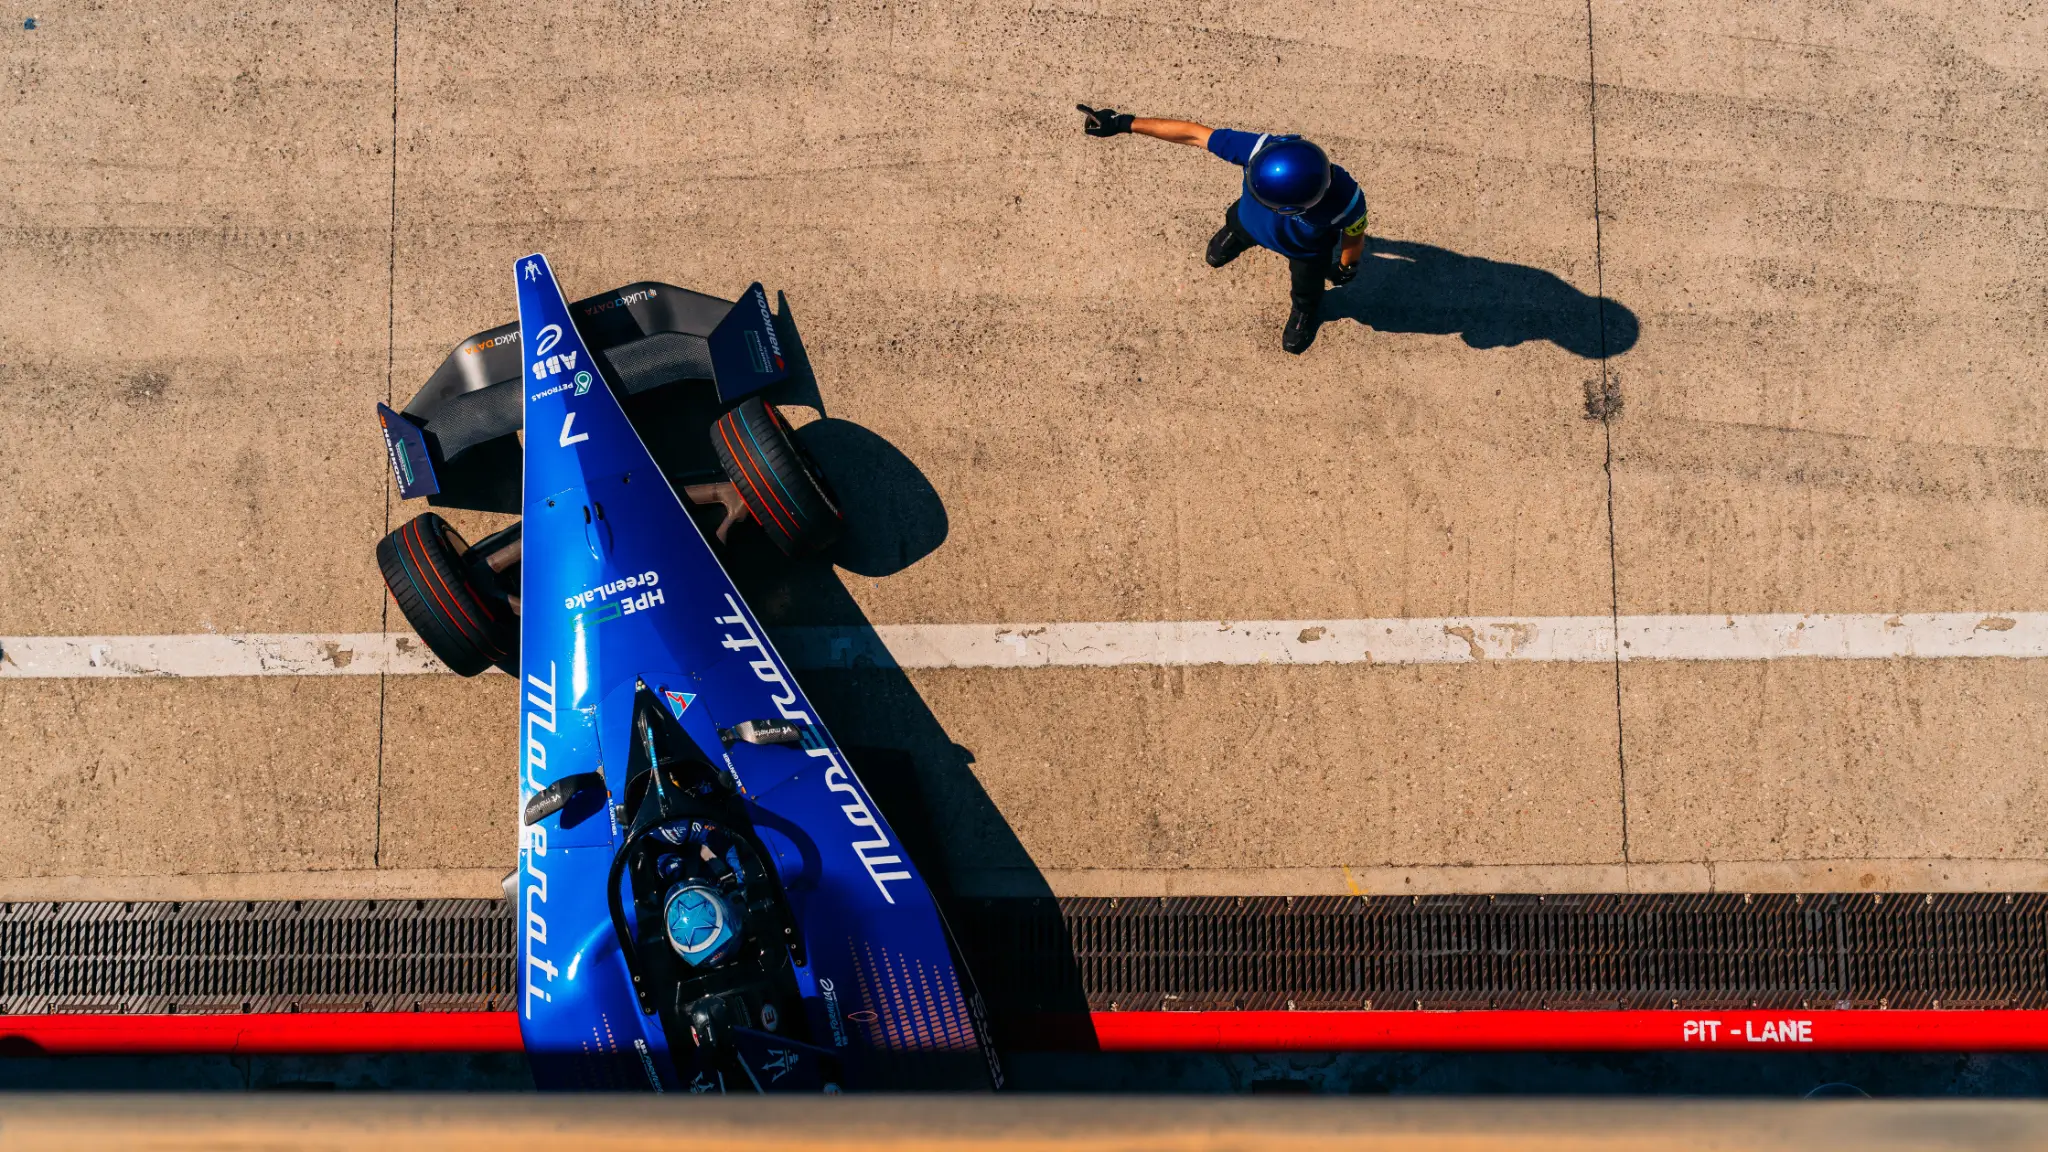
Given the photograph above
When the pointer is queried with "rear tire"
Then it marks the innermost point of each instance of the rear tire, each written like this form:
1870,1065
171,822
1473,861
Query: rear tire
423,568
776,478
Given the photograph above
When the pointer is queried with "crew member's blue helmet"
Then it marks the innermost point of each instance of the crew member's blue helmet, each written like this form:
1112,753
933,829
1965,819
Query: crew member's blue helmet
1288,175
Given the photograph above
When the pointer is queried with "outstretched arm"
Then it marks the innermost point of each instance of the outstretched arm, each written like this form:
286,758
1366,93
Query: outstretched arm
1173,131
1110,122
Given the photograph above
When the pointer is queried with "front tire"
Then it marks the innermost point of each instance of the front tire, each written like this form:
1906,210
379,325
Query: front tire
422,566
776,478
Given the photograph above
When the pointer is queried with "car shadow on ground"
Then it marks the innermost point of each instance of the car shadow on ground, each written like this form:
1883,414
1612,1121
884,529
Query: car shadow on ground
921,779
1409,287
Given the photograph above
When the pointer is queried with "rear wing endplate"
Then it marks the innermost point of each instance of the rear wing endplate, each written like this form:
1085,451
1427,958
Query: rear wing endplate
746,355
411,465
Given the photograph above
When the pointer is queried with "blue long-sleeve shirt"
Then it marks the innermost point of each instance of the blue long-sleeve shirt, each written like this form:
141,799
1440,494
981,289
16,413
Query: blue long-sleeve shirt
1311,234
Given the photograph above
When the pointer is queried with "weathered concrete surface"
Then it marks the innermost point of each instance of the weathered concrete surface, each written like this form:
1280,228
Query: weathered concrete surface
1834,875
196,250
149,777
1836,231
1833,223
366,883
1821,236
1815,761
1255,768
450,796
196,246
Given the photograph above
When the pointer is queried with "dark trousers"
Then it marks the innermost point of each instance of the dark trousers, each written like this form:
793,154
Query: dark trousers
1307,273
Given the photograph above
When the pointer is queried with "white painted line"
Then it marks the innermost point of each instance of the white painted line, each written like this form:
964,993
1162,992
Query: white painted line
1455,640
1189,642
1450,640
207,654
1866,636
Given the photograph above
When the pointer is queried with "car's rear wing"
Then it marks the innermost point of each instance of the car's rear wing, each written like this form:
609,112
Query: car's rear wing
455,441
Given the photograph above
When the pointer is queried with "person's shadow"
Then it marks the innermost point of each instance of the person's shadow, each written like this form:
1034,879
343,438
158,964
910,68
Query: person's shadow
1407,287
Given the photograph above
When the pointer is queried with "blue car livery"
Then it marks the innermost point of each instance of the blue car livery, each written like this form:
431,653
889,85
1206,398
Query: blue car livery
707,897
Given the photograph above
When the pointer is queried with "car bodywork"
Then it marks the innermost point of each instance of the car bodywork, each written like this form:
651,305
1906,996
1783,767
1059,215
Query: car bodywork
632,633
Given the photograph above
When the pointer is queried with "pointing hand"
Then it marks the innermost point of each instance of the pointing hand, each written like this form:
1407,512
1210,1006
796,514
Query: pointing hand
1106,121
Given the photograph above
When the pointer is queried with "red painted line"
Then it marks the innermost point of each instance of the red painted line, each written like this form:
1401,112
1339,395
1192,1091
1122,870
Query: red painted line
1903,1030
1916,1030
298,1032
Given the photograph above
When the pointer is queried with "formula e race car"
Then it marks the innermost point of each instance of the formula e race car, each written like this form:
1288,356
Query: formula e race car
708,898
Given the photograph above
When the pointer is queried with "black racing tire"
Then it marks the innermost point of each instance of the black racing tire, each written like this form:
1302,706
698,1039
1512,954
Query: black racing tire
778,481
422,565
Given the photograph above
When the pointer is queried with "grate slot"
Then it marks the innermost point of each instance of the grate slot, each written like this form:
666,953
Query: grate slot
1039,955
224,956
1633,951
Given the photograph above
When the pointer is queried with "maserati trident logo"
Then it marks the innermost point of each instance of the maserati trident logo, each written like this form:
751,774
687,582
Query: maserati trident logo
532,270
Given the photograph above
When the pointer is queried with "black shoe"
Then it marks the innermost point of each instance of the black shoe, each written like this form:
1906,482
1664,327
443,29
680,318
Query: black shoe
1300,333
1221,251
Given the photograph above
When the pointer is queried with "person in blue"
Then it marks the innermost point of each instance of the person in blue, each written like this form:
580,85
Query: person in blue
1295,202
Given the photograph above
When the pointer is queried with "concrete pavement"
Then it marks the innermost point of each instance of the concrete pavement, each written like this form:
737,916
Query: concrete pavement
1819,238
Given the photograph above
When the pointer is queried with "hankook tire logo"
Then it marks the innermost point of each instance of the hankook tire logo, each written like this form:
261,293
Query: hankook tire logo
548,338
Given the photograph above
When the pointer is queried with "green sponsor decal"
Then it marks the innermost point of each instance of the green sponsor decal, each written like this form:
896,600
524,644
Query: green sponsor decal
598,616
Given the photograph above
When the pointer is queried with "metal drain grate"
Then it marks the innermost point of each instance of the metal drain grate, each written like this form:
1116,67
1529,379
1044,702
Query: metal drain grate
231,956
1047,955
1719,951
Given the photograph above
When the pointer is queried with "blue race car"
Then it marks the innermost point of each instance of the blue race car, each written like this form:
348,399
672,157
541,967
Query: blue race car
708,898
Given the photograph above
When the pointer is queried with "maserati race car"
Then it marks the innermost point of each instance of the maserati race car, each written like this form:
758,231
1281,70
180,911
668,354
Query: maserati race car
708,898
